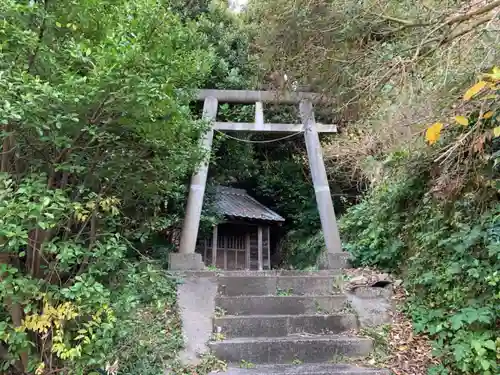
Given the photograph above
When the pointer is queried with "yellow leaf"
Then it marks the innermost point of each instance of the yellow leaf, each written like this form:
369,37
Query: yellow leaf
462,120
488,115
474,90
433,133
496,131
495,76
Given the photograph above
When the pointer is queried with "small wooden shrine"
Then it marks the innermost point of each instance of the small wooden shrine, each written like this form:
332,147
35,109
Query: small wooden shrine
243,240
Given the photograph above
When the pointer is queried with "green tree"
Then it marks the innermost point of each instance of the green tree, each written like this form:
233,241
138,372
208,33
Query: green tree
97,143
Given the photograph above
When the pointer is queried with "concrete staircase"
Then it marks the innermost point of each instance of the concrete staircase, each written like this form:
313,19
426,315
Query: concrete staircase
286,322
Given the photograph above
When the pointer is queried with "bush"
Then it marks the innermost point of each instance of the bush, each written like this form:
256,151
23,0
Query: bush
97,144
148,331
301,250
435,220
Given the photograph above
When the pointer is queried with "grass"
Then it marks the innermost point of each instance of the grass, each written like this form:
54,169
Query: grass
246,364
150,342
284,292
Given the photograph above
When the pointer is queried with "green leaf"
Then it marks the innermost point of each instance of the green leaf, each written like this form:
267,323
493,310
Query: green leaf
490,344
456,322
485,364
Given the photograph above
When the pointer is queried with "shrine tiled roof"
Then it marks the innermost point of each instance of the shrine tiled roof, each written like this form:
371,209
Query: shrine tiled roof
238,204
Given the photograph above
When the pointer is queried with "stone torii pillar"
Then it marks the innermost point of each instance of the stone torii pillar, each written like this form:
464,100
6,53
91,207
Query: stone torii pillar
321,187
187,259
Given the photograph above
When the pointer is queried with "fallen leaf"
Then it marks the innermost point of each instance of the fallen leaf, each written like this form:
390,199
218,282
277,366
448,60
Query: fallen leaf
496,131
433,133
462,120
488,115
474,90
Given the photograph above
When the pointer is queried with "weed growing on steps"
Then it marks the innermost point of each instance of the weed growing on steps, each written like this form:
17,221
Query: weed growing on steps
319,309
380,352
212,268
218,336
246,364
219,312
337,284
348,308
340,358
284,292
208,364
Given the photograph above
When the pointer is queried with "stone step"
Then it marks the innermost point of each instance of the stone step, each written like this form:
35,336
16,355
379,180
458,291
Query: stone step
283,325
281,305
262,285
305,369
246,273
286,350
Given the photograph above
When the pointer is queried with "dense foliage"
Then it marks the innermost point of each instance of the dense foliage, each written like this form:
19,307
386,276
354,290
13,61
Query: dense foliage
98,142
435,218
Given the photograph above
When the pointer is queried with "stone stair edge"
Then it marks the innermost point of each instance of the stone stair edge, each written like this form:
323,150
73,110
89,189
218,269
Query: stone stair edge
293,316
283,297
267,273
286,350
296,338
284,325
276,305
304,369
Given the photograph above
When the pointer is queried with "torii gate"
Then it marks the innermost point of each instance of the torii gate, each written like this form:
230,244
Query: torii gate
187,259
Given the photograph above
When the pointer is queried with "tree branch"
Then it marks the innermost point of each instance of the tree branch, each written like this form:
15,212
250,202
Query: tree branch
477,12
447,39
406,23
31,59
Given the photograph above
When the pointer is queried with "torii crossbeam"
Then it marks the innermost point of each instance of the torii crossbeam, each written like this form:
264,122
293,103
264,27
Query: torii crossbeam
187,259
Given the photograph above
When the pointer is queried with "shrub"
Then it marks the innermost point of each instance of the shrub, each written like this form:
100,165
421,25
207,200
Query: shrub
301,250
435,219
